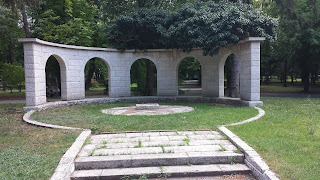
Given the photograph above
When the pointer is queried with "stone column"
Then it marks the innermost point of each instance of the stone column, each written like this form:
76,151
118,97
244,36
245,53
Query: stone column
119,81
212,78
250,71
35,78
167,82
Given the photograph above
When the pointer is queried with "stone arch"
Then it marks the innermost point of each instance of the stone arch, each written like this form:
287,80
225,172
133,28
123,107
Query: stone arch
71,59
185,56
107,63
179,63
226,55
234,82
155,62
155,72
63,75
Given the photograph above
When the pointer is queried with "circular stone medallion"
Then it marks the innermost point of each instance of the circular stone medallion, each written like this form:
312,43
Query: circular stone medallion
162,110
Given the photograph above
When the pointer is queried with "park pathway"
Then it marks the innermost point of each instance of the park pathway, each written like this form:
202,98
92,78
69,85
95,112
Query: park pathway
164,154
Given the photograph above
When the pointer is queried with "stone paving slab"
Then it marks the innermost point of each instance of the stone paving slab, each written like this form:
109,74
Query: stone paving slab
156,143
99,143
178,153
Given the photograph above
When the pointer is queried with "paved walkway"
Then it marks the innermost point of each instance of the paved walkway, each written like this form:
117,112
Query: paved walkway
180,154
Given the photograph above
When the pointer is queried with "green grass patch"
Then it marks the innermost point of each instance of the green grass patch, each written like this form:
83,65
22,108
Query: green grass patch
205,116
26,151
297,87
14,95
287,137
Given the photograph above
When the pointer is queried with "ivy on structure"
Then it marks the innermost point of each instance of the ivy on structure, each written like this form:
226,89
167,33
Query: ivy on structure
207,25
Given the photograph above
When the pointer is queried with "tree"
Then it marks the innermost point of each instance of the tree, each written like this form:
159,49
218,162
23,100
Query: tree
299,22
207,25
10,49
20,6
12,74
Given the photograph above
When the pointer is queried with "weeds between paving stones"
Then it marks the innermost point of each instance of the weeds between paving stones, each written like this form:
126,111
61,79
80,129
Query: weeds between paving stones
237,150
224,138
232,160
88,141
163,175
186,140
139,144
222,148
128,177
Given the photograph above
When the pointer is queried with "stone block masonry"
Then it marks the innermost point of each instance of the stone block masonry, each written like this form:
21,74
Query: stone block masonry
72,61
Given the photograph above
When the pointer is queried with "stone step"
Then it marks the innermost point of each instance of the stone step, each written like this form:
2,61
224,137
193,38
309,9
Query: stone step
130,138
126,161
162,171
104,151
154,134
156,144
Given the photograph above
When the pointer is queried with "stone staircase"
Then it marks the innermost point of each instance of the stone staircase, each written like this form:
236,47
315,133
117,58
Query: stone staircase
158,155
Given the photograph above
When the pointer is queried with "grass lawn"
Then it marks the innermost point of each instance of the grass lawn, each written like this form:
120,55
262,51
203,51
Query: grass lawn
29,152
276,87
205,116
14,95
287,137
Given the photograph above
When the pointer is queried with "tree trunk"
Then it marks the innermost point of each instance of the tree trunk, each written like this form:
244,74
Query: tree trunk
234,82
89,76
267,80
10,53
25,21
306,83
285,72
292,78
150,79
313,79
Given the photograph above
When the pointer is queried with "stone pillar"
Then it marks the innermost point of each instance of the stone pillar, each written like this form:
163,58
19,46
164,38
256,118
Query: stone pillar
63,75
167,82
119,81
250,71
82,84
211,78
35,78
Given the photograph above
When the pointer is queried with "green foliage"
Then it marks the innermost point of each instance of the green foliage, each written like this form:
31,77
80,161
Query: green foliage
189,68
207,25
141,29
68,22
138,75
211,25
12,74
10,49
299,39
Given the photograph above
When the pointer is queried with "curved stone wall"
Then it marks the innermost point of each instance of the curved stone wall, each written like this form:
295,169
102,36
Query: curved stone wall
72,60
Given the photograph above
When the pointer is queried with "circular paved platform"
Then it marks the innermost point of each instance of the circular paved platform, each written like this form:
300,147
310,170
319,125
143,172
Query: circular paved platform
162,110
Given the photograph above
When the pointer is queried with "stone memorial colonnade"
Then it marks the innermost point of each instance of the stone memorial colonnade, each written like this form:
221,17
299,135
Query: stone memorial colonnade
72,61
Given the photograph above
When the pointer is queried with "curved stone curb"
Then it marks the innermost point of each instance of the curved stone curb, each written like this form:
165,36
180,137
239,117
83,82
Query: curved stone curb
149,99
259,167
66,164
261,113
26,118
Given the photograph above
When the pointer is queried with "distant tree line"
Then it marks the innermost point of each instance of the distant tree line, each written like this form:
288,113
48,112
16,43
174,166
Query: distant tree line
292,51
